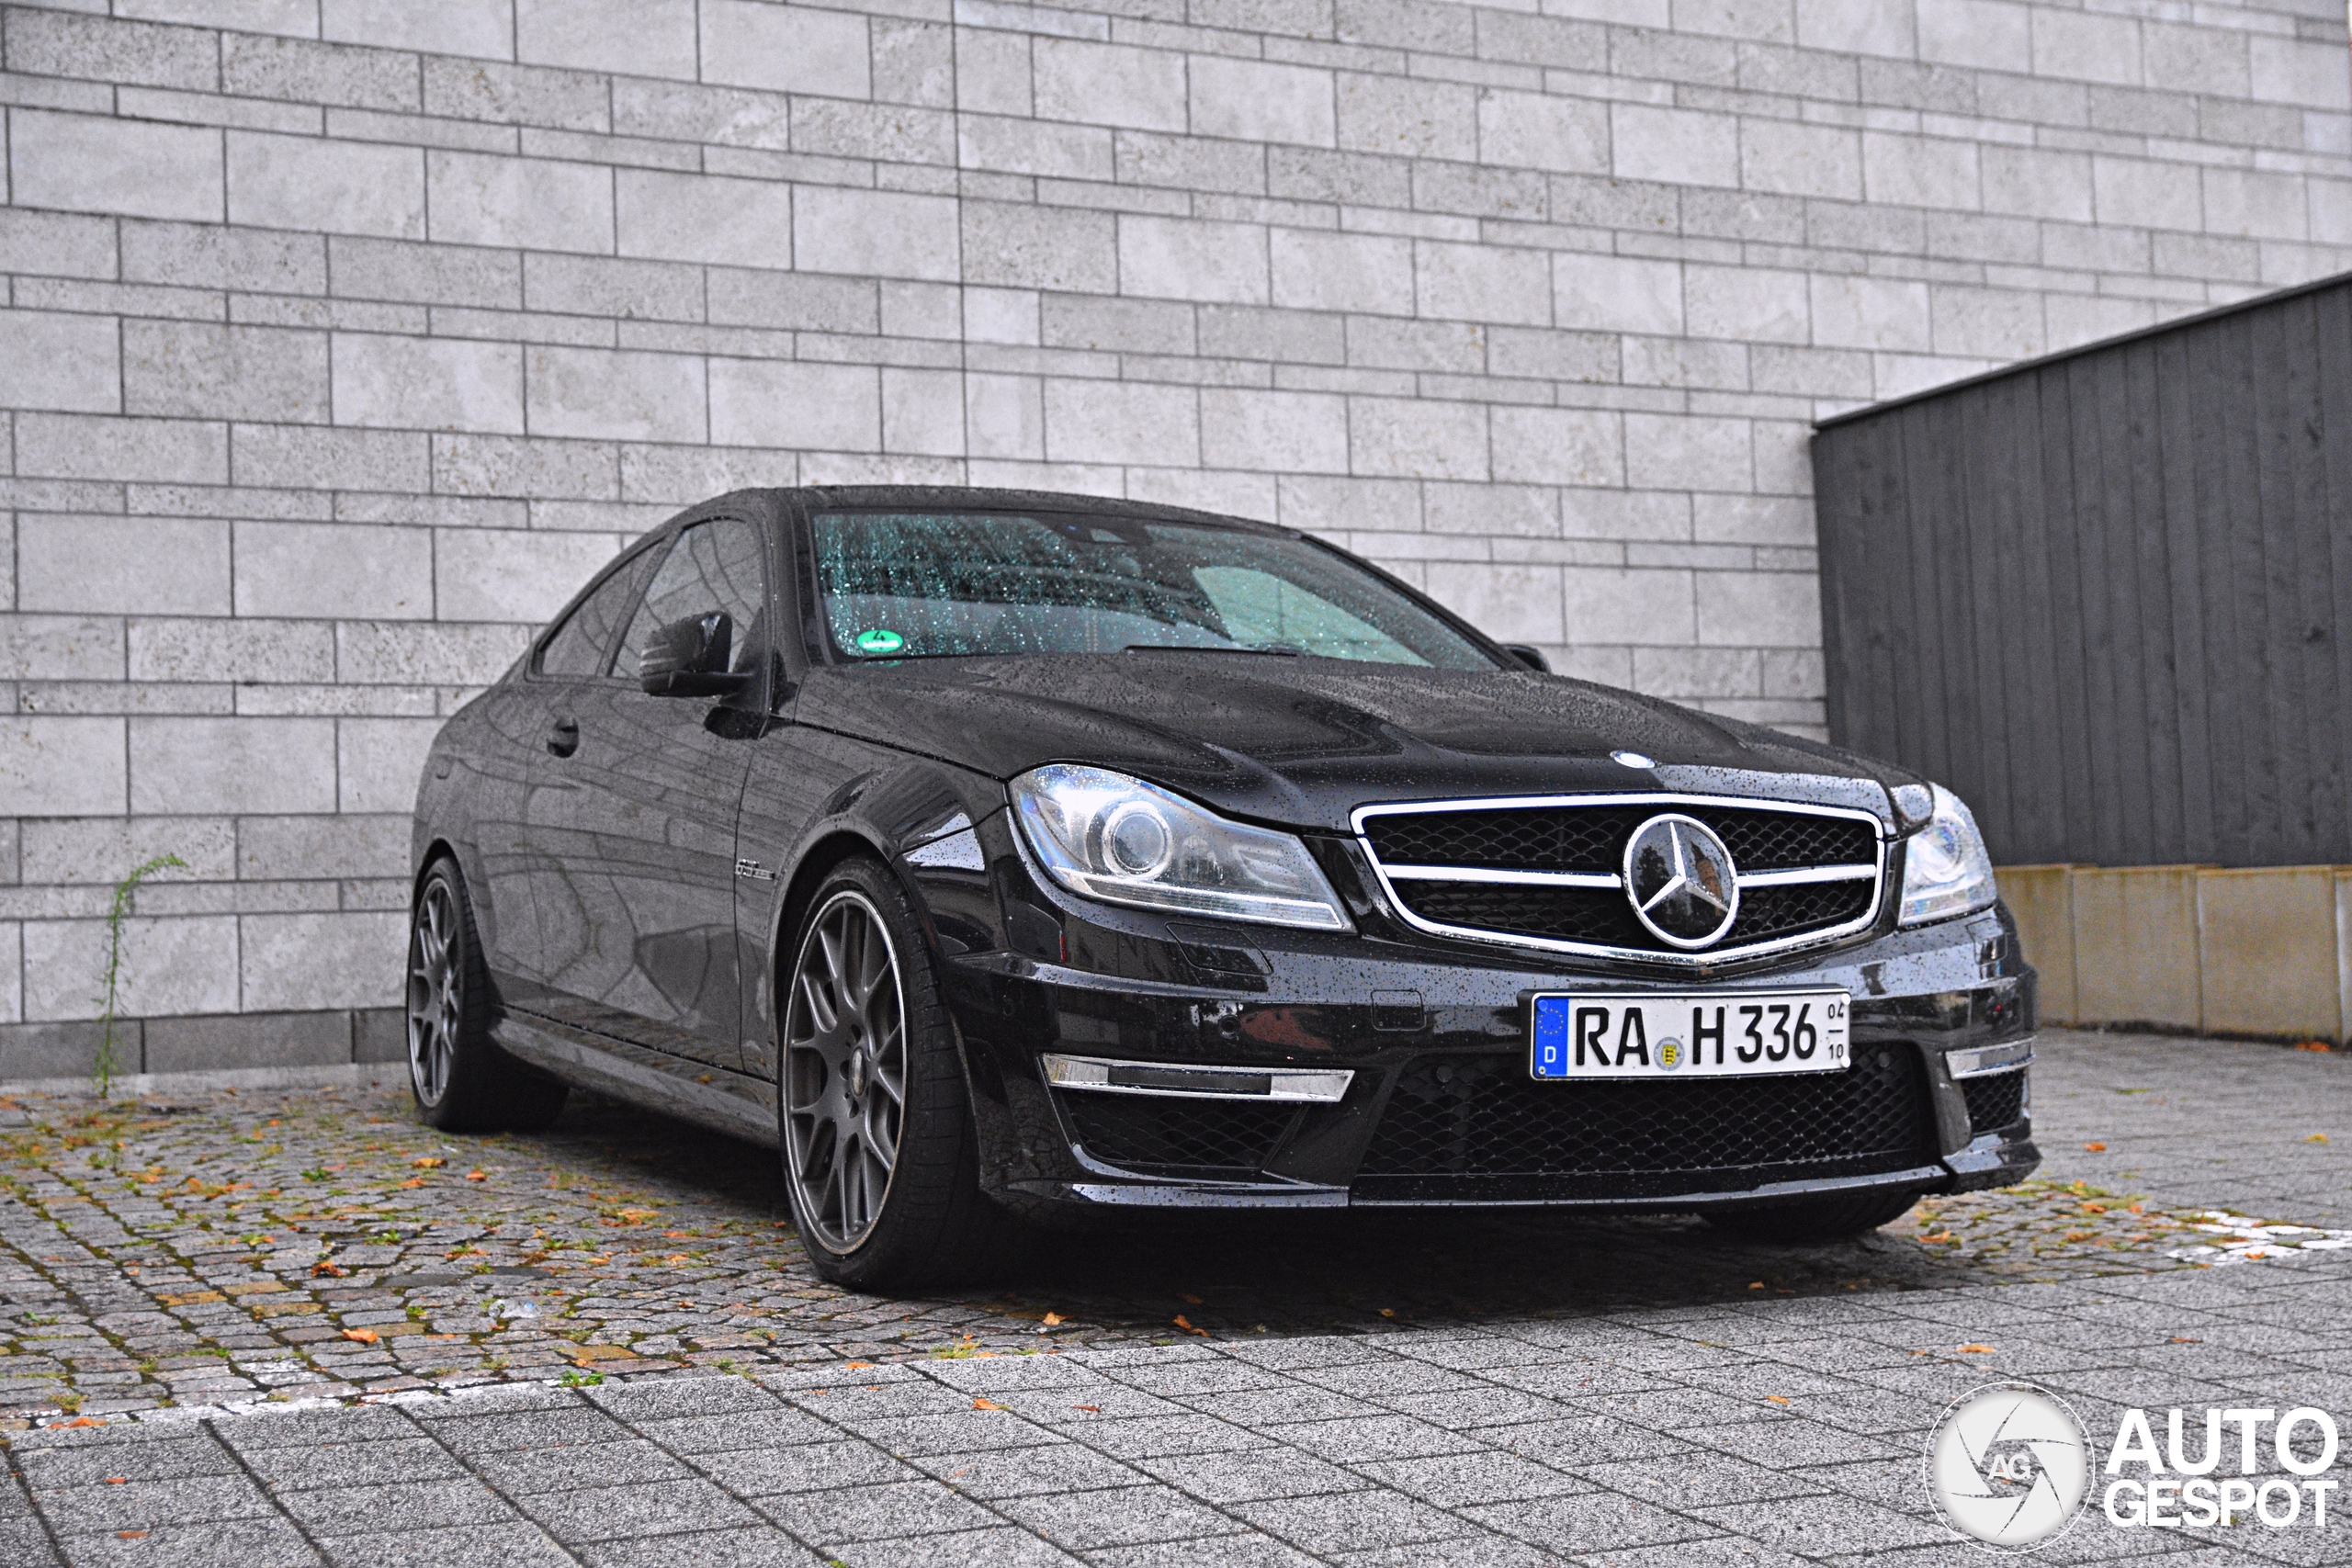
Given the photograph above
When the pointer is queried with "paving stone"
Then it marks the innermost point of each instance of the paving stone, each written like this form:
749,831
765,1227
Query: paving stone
635,1509
396,1506
1453,1481
1352,1521
1005,1547
569,1469
138,1504
1061,1467
364,1463
804,1467
470,1546
875,1512
235,1543
1249,1476
742,1546
1121,1517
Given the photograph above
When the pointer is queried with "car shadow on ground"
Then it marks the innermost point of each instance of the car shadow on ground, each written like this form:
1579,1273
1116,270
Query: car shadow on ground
1223,1274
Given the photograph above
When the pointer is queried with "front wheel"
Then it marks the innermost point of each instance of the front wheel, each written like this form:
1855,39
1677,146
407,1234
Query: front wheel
880,1156
461,1080
1831,1217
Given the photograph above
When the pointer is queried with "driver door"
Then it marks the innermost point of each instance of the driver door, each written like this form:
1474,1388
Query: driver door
643,946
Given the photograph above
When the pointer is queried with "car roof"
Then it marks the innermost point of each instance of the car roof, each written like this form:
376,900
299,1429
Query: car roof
980,498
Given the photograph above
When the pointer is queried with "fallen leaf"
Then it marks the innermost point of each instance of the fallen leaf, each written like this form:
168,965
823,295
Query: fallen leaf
477,1176
2314,1045
860,1366
428,1162
1186,1323
1756,1285
2316,1138
1089,1409
414,1181
2185,1339
1055,1320
1976,1349
1388,1311
1774,1399
131,1535
986,1405
675,1258
1190,1297
330,1269
117,1480
2096,1148
676,1236
82,1421
365,1336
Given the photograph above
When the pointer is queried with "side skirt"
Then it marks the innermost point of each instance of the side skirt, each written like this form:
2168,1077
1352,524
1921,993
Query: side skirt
734,1103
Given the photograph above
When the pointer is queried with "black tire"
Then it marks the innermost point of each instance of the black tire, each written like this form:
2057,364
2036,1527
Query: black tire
461,1081
1828,1218
859,1021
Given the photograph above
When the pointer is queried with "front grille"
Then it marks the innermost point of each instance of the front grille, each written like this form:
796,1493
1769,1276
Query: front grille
1590,840
1169,1133
1483,1116
1994,1102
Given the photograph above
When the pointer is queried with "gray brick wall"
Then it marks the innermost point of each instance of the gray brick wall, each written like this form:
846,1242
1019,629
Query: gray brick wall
344,337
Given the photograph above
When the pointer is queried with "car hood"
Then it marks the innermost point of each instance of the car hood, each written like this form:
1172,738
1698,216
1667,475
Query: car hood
1303,742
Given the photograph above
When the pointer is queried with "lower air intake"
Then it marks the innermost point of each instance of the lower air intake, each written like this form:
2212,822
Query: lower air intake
1170,1135
1995,1102
1483,1116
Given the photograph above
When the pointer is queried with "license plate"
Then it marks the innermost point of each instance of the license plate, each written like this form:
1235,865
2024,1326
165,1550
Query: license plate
1705,1034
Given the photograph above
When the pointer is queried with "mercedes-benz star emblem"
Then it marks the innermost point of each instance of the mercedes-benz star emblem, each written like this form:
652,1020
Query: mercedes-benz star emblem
1681,881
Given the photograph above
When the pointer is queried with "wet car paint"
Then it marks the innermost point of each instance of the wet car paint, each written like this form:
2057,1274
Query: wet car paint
637,893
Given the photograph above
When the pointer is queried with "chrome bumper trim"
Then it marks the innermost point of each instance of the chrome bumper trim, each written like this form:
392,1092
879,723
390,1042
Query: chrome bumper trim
1187,1080
1983,1061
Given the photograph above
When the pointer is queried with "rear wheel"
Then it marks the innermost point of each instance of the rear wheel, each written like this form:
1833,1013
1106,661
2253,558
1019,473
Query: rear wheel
1827,1218
461,1080
880,1158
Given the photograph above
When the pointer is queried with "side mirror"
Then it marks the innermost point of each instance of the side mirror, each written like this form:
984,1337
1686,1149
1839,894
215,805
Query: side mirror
1529,657
689,657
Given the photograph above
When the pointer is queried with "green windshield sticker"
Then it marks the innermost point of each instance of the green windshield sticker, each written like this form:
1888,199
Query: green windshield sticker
879,639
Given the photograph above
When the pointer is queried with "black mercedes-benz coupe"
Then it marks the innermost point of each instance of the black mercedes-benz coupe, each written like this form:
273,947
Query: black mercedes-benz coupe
997,854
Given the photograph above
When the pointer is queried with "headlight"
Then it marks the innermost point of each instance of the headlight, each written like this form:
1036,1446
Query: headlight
1945,869
1120,840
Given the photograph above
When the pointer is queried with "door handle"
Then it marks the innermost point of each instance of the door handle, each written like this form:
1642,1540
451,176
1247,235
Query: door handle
563,736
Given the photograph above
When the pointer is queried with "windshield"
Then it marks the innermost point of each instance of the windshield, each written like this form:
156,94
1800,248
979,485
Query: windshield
914,585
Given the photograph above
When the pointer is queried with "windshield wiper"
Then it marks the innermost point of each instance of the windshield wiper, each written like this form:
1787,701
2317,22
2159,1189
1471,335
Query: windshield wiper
1197,647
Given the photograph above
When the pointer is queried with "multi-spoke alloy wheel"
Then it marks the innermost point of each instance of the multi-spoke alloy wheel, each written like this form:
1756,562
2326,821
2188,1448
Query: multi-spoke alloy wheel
845,1069
462,1081
435,1002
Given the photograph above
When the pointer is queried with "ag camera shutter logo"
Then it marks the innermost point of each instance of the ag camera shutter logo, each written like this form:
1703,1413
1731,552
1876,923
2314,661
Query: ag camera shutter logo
2009,1467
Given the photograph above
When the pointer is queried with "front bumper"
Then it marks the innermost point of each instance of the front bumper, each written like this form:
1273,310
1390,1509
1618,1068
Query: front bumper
1429,1039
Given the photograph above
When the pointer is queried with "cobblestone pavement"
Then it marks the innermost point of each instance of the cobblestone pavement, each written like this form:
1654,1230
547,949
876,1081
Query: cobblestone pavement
1422,1391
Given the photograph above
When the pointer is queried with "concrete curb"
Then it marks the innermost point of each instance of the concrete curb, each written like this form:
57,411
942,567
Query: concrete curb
349,1076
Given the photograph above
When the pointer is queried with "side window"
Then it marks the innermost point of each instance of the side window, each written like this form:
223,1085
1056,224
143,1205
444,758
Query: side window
714,565
582,645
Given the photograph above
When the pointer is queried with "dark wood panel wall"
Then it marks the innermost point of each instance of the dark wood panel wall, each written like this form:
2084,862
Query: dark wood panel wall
2107,596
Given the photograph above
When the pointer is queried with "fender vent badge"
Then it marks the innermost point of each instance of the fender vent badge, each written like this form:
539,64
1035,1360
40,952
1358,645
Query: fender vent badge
752,871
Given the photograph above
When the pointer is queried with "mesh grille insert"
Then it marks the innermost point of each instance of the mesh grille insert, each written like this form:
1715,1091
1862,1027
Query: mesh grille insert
1483,1116
1994,1102
1592,838
1141,1131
